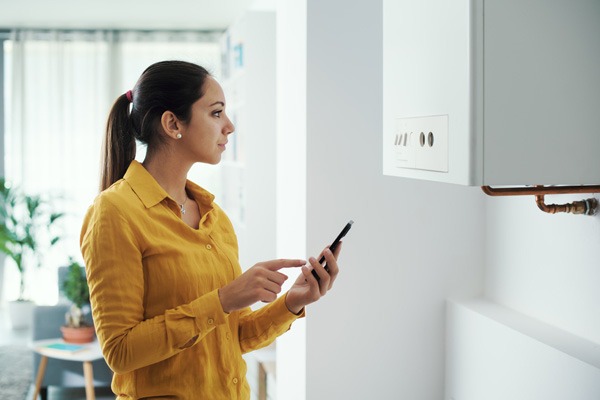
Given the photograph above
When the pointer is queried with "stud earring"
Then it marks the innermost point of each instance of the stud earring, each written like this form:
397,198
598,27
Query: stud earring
178,136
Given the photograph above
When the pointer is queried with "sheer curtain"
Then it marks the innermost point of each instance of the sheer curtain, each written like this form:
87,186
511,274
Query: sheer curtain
59,87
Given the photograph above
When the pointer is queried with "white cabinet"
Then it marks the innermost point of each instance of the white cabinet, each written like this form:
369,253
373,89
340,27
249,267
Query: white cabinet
511,88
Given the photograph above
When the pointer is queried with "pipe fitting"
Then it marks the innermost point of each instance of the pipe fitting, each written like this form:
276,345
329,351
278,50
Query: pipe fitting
582,207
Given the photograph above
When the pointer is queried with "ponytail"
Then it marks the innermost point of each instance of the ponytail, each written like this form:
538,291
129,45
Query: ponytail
119,143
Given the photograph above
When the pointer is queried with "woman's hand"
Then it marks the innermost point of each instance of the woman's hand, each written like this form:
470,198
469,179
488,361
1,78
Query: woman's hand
262,282
306,289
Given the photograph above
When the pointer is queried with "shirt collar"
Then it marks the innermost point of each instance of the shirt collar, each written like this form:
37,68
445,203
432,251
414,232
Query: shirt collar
144,185
201,195
151,193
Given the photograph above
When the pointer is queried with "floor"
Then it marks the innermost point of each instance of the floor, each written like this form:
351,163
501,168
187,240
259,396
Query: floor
10,336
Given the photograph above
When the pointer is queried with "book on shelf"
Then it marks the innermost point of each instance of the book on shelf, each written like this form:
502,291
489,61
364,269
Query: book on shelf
63,348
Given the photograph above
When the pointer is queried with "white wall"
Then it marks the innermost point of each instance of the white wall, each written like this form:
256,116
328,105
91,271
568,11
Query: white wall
251,93
537,334
291,181
380,334
544,270
546,266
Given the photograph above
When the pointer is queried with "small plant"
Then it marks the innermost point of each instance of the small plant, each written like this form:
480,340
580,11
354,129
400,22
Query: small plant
76,289
26,229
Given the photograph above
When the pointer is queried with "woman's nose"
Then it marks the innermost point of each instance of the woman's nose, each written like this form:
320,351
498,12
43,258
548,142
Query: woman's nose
229,128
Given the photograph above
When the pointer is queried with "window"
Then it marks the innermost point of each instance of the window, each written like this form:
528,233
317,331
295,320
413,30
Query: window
59,87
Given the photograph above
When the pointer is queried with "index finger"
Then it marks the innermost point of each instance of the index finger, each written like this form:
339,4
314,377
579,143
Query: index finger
274,265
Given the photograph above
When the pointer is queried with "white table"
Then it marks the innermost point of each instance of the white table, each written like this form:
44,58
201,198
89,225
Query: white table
91,353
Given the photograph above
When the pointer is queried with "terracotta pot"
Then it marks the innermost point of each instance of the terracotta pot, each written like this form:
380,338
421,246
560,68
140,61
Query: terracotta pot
84,334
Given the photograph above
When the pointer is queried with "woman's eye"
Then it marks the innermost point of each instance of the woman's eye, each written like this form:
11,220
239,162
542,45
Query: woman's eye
217,113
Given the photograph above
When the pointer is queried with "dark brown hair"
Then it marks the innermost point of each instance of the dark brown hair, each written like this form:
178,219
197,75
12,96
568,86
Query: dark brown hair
164,86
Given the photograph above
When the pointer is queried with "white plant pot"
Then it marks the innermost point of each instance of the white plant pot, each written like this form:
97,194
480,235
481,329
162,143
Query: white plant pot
2,257
21,314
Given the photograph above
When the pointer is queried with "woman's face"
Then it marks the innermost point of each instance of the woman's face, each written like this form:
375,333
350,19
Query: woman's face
205,136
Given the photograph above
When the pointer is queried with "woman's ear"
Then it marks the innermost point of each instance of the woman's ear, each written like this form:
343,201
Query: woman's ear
171,125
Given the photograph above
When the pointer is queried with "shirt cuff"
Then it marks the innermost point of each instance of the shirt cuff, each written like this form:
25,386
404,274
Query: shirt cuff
209,311
281,308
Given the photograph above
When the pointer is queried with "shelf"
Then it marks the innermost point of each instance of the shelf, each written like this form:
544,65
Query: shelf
561,340
496,353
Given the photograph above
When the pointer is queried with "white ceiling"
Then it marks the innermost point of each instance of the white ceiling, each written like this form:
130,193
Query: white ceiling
126,14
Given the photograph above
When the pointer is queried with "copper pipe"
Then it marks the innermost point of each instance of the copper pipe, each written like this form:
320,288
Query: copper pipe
523,191
585,207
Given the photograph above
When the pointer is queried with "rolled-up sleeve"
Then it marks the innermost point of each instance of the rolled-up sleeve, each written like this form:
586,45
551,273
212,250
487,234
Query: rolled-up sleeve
261,327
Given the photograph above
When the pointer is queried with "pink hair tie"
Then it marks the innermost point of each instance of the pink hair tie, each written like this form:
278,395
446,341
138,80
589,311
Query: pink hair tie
129,96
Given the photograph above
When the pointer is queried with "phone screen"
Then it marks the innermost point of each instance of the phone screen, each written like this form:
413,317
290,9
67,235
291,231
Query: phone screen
333,246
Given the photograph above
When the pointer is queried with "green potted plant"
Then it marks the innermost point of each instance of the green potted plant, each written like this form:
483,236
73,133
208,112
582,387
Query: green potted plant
75,289
27,225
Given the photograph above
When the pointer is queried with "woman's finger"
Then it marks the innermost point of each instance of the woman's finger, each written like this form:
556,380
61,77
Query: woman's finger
271,286
274,265
332,265
324,277
277,277
310,279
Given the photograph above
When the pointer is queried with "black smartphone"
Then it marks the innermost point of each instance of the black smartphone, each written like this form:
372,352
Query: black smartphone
333,246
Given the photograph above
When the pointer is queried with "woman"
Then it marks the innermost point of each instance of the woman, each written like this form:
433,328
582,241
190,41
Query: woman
169,301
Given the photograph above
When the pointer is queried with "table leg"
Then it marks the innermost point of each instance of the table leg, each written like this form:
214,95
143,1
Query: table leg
262,382
88,374
40,376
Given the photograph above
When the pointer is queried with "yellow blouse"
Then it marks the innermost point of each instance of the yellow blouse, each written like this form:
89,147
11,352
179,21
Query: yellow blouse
153,288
